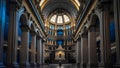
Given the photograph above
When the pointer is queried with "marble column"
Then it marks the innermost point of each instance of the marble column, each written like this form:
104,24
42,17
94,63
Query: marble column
78,52
117,28
43,52
41,48
38,50
12,35
105,36
84,49
24,48
2,23
33,48
92,45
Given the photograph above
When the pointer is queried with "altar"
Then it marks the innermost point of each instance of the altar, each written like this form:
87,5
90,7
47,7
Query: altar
60,54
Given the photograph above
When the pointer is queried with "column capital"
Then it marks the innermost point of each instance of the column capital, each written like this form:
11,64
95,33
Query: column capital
33,33
25,28
91,29
79,38
84,34
38,37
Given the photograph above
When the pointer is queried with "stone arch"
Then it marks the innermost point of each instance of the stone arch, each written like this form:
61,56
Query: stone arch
95,21
32,27
20,12
24,19
21,21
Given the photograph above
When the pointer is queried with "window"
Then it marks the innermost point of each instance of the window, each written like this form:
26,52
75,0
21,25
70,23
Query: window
60,42
66,18
59,19
67,26
60,32
60,28
52,27
53,18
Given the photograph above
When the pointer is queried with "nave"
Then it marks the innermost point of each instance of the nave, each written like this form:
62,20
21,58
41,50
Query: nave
55,66
37,32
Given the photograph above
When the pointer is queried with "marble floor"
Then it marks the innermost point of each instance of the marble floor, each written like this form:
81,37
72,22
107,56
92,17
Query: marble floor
56,66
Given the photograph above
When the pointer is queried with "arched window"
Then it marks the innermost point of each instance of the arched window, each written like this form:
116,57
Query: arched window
66,18
53,18
59,18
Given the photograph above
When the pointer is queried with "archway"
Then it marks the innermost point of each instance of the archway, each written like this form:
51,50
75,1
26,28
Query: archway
22,23
95,24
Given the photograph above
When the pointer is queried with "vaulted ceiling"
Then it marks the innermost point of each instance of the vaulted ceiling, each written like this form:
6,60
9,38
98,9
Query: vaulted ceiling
52,5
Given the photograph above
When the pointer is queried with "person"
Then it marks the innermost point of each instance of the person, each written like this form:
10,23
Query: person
60,63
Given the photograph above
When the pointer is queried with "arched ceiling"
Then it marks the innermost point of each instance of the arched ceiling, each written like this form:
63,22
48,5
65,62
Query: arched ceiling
52,5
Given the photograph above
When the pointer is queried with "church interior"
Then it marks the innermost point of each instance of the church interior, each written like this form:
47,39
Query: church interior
59,33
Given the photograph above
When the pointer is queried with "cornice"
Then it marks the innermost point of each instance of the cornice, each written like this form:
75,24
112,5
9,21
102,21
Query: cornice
82,20
35,14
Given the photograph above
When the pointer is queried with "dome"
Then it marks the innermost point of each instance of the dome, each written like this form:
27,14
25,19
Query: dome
59,18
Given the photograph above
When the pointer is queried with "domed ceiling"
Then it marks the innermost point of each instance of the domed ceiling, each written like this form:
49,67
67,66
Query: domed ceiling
70,6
